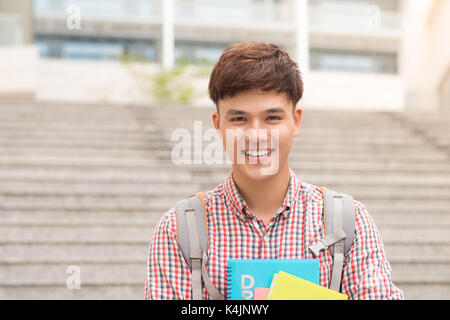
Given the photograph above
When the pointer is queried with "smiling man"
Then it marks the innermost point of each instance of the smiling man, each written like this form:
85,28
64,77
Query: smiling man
263,210
262,126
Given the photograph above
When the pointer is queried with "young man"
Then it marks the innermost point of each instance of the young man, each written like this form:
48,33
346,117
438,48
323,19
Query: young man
262,210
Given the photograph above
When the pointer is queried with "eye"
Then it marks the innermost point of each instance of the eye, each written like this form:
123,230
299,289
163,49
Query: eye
238,119
271,118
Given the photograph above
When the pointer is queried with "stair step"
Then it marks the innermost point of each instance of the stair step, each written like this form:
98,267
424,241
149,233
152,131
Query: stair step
77,219
74,234
136,292
135,274
47,217
412,253
55,274
165,155
94,189
31,217
143,233
164,176
73,253
44,132
133,203
435,273
155,137
99,128
297,166
68,189
162,151
86,292
425,291
69,254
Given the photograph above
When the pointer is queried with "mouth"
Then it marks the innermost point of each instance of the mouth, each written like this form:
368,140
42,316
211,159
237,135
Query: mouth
258,153
257,156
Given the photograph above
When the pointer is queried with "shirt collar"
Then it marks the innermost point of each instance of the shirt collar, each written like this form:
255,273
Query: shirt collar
242,211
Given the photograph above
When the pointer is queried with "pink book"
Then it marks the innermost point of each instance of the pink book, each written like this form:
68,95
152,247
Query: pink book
261,293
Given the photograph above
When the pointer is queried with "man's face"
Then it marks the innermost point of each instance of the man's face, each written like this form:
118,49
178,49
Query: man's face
257,129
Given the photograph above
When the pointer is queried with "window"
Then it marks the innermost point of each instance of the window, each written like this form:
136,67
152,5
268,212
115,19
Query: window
341,60
390,5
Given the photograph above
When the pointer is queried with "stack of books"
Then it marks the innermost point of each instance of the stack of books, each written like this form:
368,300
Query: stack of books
277,279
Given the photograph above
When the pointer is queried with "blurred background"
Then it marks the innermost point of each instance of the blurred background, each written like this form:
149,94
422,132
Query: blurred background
92,91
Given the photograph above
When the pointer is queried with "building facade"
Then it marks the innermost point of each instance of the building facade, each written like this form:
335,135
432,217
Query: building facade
354,54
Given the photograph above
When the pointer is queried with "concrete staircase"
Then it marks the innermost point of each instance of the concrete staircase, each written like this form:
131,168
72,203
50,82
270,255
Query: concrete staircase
84,186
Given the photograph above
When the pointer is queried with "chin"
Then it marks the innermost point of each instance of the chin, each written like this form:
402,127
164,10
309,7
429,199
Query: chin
255,172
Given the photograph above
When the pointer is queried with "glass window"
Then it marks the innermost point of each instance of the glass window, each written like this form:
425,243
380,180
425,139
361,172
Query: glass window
94,48
391,5
340,60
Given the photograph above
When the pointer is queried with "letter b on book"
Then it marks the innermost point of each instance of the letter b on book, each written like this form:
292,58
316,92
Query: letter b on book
247,283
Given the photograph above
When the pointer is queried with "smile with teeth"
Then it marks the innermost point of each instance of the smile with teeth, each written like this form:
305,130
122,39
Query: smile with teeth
258,153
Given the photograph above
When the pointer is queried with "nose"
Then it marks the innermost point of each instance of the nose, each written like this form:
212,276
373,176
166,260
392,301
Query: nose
257,138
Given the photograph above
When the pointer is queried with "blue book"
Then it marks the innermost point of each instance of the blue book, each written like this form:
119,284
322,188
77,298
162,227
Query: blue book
244,275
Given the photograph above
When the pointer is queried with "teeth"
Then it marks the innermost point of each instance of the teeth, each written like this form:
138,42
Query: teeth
259,153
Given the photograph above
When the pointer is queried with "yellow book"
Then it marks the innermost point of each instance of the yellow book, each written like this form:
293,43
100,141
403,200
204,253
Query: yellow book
288,287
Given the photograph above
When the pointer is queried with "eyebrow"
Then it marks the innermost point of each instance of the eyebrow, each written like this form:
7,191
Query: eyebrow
240,112
236,112
276,110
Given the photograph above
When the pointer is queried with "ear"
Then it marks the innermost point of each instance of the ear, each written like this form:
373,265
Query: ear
216,120
297,121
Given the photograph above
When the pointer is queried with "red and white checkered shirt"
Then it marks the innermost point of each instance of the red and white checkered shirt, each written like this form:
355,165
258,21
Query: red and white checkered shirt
236,233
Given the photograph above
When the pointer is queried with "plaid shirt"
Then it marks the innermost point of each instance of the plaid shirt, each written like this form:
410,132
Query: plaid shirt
236,233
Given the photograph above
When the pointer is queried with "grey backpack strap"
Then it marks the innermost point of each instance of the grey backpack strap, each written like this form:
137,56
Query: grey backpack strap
340,228
213,292
195,255
193,242
183,231
338,255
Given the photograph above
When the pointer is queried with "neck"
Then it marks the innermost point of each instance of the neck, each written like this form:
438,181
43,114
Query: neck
266,196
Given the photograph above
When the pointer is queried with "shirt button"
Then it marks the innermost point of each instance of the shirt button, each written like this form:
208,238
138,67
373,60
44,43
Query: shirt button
266,238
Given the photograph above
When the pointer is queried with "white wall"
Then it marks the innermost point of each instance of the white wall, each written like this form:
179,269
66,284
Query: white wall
85,81
425,53
439,22
18,71
358,91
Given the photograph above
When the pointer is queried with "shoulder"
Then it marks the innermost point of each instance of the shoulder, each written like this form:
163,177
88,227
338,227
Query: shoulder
313,191
168,221
315,195
310,193
364,222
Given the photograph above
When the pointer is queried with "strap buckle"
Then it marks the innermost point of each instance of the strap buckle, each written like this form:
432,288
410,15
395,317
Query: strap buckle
326,242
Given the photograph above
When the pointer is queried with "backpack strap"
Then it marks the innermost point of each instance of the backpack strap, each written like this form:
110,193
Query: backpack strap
339,217
192,238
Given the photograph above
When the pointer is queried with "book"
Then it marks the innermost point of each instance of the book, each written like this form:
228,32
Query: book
261,293
244,275
286,286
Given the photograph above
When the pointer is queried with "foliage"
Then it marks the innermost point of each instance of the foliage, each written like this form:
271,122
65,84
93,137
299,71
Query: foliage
172,85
